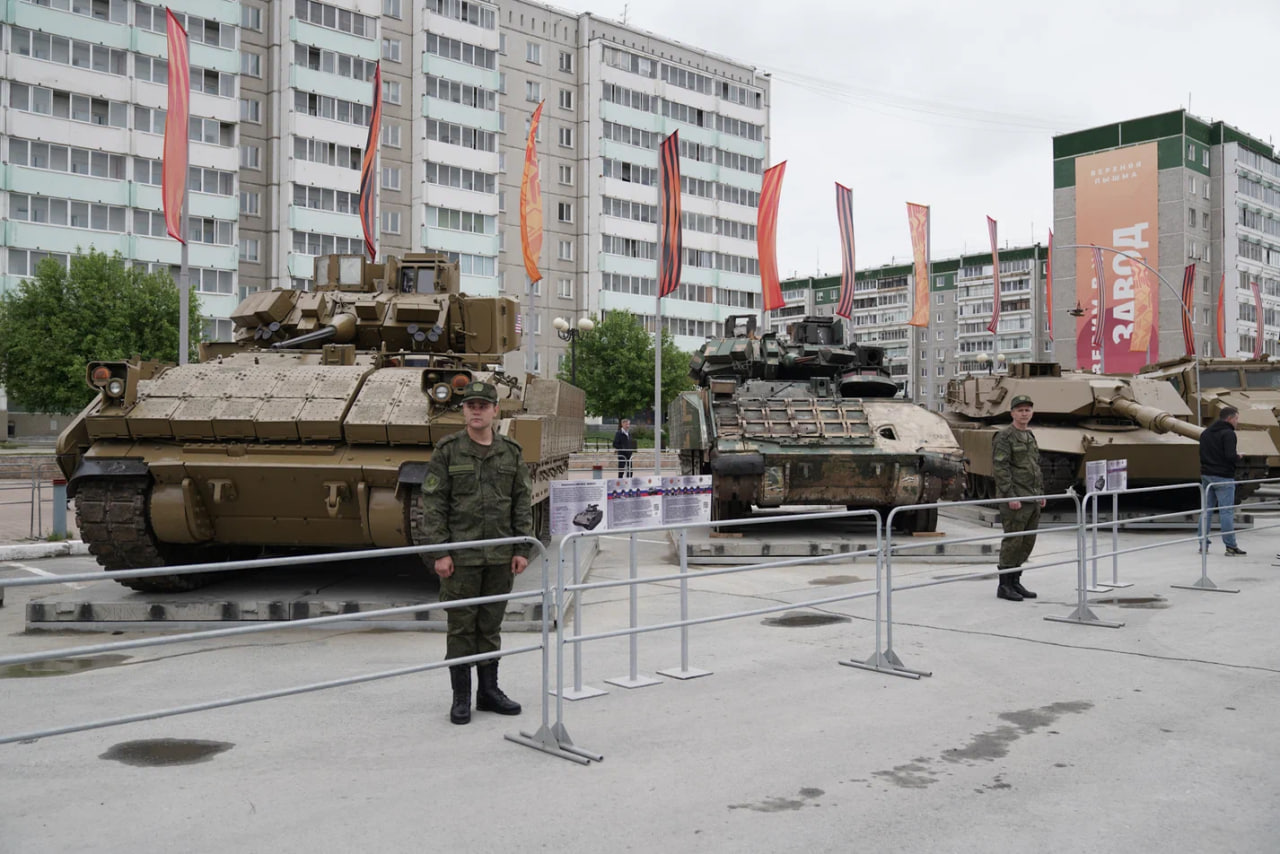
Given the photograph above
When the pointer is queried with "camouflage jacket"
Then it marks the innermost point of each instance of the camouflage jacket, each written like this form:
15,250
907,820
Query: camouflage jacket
1015,463
469,494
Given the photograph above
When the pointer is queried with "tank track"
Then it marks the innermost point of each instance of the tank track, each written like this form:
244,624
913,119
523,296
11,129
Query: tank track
111,514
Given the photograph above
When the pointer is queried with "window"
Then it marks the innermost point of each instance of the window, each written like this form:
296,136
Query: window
390,177
391,49
502,162
1191,217
1205,221
566,137
565,252
249,249
391,8
250,203
251,110
566,62
564,289
250,17
532,91
502,43
391,222
212,181
466,11
565,212
566,175
330,17
391,135
533,53
391,92
251,63
566,99
250,156
502,200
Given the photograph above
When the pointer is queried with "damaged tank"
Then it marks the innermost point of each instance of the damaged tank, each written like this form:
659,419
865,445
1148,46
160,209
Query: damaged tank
809,420
589,517
1250,385
1080,417
311,430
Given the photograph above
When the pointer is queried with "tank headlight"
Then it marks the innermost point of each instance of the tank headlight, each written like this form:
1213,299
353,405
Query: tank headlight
115,387
100,375
441,393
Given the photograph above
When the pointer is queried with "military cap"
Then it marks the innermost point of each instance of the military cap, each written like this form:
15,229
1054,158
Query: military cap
1020,400
477,390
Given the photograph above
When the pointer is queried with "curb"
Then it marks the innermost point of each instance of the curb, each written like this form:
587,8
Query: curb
35,550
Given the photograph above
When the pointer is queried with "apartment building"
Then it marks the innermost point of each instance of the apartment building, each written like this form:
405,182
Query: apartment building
1177,190
962,296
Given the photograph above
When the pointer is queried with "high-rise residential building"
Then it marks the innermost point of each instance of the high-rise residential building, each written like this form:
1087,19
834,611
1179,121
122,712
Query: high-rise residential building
1176,190
962,296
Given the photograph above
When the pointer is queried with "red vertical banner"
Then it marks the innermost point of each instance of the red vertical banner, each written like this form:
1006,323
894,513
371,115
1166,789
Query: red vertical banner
173,168
844,213
1099,313
1220,323
994,325
1188,308
767,235
531,201
1257,308
918,221
671,240
369,169
1048,287
1144,294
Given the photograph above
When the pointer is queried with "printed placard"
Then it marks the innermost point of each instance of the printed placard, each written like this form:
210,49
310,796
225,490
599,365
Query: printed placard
635,502
686,499
1095,475
578,505
1117,475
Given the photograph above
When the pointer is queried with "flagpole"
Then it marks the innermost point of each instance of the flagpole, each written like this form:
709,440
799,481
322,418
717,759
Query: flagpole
928,328
184,279
657,385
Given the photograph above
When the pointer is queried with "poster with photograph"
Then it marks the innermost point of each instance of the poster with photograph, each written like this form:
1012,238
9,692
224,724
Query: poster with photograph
578,505
1117,475
1095,475
686,499
635,502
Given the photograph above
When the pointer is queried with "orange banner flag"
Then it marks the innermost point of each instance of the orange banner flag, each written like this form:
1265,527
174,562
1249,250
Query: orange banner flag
767,235
1144,293
173,168
531,202
1221,321
918,219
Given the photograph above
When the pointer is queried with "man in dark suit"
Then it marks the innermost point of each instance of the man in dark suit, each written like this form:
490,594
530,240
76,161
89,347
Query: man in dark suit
625,446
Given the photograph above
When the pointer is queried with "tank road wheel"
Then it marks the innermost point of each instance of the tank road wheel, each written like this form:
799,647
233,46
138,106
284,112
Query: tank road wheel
112,516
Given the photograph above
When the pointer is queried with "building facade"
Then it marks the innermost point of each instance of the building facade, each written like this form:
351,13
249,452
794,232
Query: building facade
1175,190
962,295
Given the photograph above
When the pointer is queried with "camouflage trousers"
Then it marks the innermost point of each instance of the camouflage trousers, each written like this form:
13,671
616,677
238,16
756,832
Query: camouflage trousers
476,629
1014,551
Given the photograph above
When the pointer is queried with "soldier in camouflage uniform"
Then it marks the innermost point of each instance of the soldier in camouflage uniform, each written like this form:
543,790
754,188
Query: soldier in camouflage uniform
477,487
1015,463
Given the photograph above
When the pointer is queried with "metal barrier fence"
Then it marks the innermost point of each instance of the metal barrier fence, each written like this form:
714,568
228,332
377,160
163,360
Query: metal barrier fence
26,491
551,735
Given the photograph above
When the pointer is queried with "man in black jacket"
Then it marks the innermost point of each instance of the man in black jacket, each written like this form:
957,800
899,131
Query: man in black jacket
625,446
1217,475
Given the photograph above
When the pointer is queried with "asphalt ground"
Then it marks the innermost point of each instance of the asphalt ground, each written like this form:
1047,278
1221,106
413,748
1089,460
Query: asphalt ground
1029,735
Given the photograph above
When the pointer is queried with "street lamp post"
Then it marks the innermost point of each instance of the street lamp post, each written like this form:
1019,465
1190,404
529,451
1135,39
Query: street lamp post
568,332
1102,318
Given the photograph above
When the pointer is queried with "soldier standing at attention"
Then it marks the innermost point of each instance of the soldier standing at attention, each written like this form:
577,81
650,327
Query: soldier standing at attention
1015,463
477,487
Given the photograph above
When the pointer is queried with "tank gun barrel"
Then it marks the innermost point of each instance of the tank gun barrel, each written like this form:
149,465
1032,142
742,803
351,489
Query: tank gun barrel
342,328
1155,419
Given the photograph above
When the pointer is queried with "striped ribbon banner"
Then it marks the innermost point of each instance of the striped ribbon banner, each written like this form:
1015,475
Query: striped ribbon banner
918,222
173,169
767,236
369,169
1188,303
671,240
531,201
1048,286
844,212
995,278
1100,313
1257,308
1220,322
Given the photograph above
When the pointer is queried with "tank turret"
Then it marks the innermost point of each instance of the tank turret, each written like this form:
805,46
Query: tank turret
809,419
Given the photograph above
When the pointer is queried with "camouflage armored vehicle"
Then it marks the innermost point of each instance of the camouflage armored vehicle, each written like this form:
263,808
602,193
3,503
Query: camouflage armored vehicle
311,430
589,517
1250,385
1081,417
809,420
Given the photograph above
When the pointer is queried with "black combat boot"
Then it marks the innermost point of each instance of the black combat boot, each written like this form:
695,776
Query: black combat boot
460,676
1015,581
1006,590
489,697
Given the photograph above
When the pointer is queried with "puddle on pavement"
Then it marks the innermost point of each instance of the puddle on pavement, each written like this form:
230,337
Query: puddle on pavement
156,752
793,621
836,579
61,666
1150,602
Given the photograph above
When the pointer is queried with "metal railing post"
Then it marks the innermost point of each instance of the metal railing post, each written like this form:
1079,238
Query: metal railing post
685,671
633,679
1205,527
1082,614
59,508
880,661
578,691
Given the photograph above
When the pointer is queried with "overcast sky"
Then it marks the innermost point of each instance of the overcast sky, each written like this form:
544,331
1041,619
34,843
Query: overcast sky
954,104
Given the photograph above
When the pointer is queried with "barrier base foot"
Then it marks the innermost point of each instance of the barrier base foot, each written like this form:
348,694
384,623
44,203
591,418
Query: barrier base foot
555,742
1084,617
586,692
639,681
685,673
1098,588
1206,584
1114,585
892,658
880,664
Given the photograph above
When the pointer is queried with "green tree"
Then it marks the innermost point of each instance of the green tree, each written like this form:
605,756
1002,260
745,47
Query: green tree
52,325
615,367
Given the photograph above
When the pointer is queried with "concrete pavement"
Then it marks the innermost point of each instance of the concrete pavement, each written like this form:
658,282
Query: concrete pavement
1030,735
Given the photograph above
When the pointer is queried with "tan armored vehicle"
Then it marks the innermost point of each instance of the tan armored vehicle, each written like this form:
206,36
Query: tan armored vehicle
1250,385
311,430
1081,417
810,420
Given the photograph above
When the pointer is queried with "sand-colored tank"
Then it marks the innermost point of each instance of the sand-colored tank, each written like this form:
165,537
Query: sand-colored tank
1081,417
311,430
810,420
